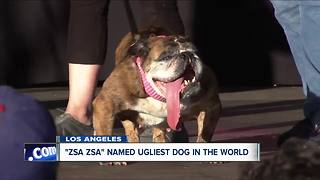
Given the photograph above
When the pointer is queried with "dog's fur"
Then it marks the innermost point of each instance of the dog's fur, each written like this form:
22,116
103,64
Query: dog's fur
123,97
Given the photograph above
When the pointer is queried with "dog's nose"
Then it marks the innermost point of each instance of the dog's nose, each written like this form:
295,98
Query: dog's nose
186,55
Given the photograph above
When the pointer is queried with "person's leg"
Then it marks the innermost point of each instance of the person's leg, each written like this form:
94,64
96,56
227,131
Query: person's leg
82,84
310,40
76,120
302,35
288,15
87,39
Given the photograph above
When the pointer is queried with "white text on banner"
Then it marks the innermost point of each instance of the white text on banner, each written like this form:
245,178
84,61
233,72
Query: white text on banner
159,152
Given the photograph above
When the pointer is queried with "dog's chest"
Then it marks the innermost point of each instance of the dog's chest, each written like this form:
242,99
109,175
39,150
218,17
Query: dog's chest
152,111
150,106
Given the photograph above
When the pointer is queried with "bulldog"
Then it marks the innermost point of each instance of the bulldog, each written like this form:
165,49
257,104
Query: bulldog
158,82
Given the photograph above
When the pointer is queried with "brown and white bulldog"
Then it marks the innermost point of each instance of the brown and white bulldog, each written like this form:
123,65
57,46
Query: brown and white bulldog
158,82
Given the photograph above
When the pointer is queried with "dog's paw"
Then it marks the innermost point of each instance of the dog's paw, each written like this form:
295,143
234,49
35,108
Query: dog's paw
113,163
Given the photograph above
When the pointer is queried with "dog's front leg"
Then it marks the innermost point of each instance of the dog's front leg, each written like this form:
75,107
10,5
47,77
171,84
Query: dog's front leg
207,122
158,135
103,121
131,131
103,116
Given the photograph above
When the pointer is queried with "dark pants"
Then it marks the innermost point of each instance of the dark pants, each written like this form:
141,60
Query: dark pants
88,27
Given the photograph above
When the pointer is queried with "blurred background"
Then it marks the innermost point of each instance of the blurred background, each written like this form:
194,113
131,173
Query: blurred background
240,40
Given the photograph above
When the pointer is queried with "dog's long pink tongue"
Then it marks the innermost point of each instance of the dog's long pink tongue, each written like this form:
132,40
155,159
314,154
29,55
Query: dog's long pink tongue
173,102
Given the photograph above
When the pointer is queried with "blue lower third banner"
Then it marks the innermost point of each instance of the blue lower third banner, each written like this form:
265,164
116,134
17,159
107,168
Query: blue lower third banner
116,148
40,152
159,152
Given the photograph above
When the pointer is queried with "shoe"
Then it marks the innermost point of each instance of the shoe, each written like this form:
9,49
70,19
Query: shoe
67,125
304,129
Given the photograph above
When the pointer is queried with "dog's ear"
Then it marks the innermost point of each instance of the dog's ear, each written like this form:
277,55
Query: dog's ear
139,47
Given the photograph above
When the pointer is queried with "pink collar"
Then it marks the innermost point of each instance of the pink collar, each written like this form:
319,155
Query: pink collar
146,85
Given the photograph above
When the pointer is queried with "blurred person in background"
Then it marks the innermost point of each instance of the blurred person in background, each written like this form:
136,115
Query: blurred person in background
23,120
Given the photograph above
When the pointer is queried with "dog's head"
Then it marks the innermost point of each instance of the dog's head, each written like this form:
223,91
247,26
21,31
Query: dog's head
168,61
171,66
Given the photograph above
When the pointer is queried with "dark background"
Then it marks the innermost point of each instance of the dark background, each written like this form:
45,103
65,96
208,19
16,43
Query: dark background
240,40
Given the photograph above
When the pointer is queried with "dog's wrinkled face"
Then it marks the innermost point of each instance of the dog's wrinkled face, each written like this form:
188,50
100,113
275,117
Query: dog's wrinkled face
172,68
170,64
